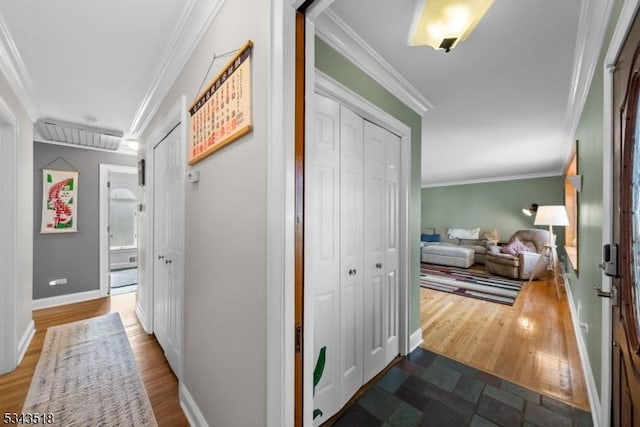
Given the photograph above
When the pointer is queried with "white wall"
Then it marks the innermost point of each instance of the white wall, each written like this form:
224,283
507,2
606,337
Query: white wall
226,236
24,179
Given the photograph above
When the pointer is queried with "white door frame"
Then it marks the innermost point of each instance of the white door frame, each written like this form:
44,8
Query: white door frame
8,261
629,10
105,169
145,306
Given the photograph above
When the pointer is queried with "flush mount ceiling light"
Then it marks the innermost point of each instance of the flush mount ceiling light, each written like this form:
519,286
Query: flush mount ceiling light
441,24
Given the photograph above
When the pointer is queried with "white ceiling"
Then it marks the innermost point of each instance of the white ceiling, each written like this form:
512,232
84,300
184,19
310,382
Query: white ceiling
105,59
501,98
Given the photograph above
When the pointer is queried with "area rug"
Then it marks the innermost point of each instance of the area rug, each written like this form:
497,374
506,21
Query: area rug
127,277
469,283
87,376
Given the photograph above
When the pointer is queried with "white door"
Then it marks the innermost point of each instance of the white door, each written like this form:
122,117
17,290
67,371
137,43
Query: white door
168,204
351,274
392,246
322,251
381,180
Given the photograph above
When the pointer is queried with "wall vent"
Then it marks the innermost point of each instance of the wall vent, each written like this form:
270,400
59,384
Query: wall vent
78,134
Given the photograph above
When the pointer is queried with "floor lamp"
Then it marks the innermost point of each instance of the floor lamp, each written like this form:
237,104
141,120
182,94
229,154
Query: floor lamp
550,215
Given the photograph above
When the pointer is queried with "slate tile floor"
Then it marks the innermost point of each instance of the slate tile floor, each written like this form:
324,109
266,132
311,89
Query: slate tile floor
426,389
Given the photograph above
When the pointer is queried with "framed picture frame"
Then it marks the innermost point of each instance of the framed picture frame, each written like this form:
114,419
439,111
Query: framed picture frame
59,201
222,112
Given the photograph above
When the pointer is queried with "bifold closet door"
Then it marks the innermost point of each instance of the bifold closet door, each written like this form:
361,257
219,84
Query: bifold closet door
334,206
351,228
381,182
322,250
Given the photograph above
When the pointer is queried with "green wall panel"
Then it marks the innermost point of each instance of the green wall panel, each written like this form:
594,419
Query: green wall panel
340,69
491,205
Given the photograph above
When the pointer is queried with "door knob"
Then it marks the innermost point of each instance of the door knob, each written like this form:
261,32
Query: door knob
167,261
160,256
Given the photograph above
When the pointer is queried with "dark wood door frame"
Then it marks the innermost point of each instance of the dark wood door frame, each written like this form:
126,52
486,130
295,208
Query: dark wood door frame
299,216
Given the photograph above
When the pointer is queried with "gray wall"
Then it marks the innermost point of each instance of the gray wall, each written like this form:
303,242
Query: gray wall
491,205
225,295
24,233
75,256
340,69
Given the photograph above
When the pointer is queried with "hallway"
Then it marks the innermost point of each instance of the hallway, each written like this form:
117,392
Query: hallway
159,381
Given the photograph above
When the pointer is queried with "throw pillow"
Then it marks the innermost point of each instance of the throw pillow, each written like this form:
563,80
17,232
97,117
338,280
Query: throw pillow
514,247
430,238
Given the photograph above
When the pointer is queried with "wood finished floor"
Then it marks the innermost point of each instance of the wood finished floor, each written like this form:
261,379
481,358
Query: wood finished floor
531,343
159,381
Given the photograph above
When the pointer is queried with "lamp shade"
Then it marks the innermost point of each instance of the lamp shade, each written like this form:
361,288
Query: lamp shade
441,24
551,215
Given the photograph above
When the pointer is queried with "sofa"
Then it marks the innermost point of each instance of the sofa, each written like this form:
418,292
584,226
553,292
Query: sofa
434,242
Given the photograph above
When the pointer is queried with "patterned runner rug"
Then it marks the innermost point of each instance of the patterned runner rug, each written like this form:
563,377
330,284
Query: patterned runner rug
470,283
87,376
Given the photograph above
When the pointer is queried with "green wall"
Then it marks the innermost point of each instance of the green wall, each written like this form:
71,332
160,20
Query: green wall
589,135
340,69
491,205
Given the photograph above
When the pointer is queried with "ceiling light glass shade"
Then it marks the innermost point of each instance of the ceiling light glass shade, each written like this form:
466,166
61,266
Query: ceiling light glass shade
551,215
442,24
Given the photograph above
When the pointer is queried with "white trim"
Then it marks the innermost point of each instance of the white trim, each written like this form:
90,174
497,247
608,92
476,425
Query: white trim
103,221
625,20
415,339
8,244
592,27
325,85
280,220
335,32
38,304
190,408
195,21
494,179
590,381
24,342
143,321
16,73
295,4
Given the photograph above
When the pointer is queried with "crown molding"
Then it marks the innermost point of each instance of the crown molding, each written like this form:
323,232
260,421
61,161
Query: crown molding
335,32
592,27
492,179
195,21
15,72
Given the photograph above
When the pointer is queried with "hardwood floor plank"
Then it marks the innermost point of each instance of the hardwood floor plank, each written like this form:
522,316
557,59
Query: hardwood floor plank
531,343
159,381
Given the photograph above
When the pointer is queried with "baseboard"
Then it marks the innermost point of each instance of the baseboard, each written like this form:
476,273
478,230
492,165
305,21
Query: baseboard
65,299
141,318
415,339
592,390
23,345
190,409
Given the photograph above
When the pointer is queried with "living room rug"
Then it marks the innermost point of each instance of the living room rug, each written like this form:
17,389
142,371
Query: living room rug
470,283
87,376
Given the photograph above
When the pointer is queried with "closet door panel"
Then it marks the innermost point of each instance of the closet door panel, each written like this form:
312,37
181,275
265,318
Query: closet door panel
375,285
392,251
322,249
351,143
